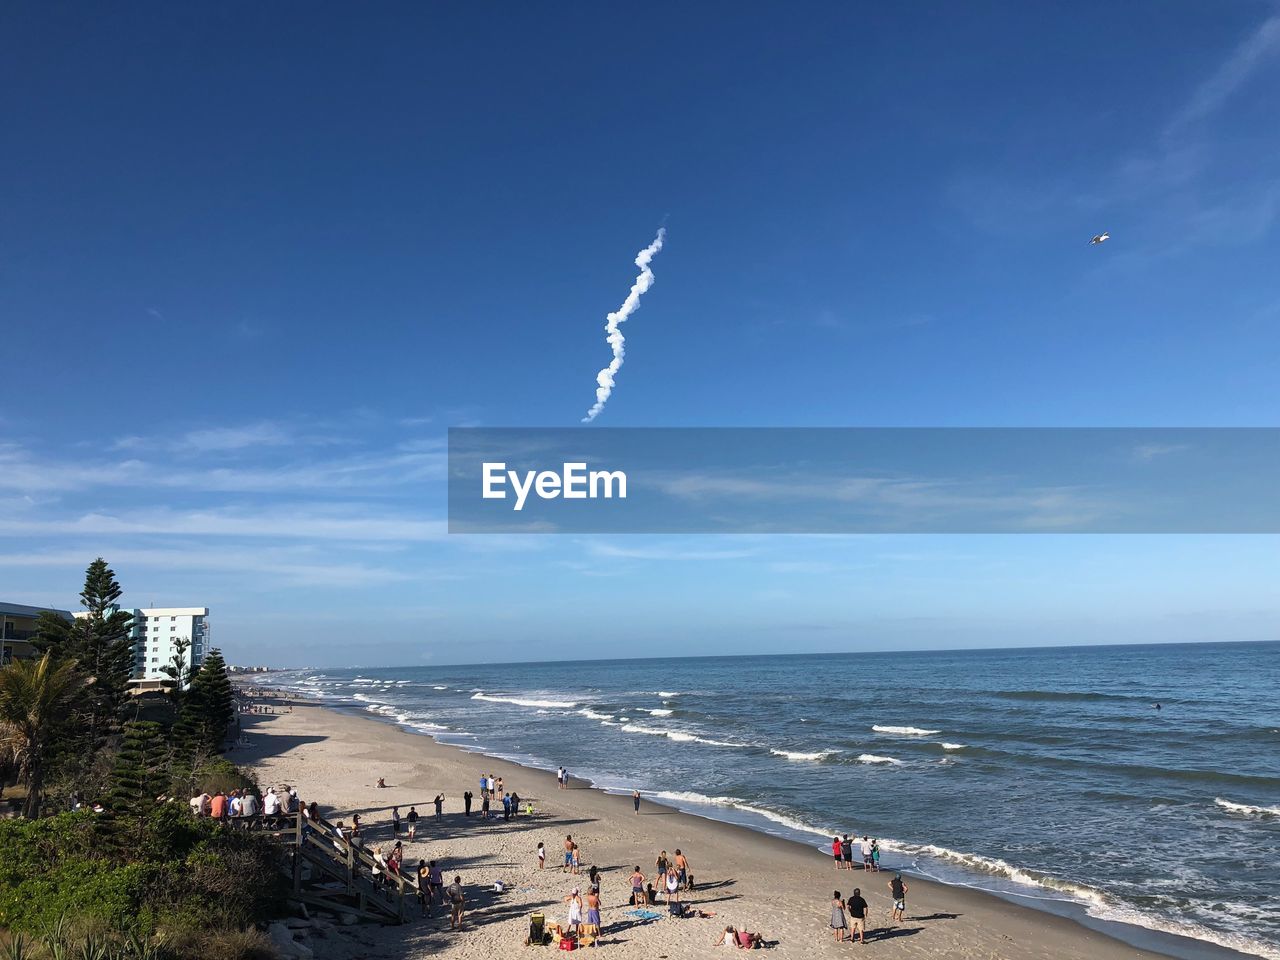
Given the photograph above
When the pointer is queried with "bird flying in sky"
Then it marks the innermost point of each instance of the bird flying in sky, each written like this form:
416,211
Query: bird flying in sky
1099,238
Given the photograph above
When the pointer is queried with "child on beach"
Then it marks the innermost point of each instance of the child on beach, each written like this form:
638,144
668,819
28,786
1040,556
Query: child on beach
875,855
542,856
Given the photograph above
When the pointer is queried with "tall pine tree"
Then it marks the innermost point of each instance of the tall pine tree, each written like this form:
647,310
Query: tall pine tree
140,776
207,708
99,644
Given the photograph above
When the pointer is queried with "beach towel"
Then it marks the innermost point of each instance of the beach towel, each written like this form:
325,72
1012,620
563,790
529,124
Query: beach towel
644,914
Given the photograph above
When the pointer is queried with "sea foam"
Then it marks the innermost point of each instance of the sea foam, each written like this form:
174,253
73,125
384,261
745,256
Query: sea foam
1247,809
905,731
523,702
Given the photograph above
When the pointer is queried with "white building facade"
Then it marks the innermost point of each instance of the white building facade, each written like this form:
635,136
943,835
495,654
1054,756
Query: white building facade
156,632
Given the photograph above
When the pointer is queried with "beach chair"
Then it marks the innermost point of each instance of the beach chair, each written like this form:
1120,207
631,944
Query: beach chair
537,930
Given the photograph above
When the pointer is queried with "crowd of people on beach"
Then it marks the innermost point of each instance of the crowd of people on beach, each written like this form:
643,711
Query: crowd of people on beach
671,883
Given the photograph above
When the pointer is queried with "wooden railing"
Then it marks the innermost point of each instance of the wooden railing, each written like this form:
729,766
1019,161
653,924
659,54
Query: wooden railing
346,878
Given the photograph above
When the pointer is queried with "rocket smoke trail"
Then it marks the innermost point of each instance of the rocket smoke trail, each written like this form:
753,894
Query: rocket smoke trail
615,340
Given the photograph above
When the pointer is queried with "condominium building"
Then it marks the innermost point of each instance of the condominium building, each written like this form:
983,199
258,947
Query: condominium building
156,632
18,625
155,636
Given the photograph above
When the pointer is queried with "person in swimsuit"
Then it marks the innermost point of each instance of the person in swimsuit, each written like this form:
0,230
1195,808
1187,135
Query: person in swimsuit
568,854
662,870
593,916
638,898
682,867
838,923
898,890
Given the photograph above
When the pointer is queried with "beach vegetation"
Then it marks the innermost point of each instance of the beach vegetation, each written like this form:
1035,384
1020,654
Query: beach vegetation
107,860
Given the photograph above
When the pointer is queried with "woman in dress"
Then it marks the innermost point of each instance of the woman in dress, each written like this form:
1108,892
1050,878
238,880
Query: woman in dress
575,910
838,922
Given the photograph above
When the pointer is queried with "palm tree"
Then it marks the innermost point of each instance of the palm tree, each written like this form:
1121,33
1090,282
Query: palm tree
33,695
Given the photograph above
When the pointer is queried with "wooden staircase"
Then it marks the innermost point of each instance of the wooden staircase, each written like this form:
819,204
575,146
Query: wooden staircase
332,873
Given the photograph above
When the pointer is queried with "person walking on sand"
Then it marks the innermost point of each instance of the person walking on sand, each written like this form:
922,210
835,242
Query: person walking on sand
858,910
577,858
457,901
635,801
424,891
412,817
838,923
898,890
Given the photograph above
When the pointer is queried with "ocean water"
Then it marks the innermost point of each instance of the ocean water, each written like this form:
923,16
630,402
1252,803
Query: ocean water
1046,775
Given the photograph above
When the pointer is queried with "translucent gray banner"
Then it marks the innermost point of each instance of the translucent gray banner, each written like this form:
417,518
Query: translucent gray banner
864,480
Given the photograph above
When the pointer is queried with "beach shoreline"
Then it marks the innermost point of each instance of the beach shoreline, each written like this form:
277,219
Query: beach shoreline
750,879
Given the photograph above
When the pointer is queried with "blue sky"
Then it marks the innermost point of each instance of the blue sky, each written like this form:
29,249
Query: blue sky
255,261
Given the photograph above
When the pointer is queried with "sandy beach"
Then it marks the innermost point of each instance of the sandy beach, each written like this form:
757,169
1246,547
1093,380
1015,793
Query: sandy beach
763,884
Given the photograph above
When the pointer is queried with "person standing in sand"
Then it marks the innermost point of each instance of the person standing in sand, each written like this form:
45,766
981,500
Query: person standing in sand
412,817
635,801
439,802
682,869
846,851
542,855
593,917
466,803
898,890
858,910
574,900
568,853
866,853
838,923
395,822
835,851
638,896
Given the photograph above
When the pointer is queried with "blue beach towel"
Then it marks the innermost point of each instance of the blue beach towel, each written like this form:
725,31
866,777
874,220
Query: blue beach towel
644,914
